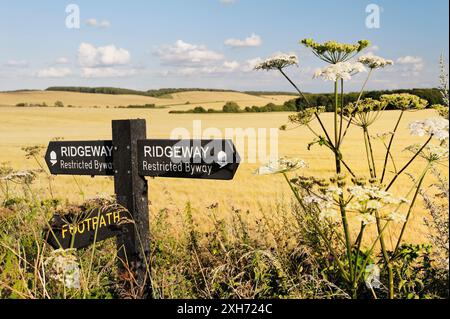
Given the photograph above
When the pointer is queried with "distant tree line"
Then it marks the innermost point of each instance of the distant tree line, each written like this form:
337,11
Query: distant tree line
43,104
433,96
121,91
233,107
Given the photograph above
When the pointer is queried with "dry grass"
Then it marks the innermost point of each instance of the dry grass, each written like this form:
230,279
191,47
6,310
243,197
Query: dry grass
30,126
213,100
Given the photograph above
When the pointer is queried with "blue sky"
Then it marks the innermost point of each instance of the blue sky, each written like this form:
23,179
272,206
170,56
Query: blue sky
211,43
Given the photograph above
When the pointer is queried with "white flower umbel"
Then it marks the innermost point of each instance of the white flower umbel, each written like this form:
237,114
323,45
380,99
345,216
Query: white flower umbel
341,70
277,62
396,217
282,165
370,198
435,126
431,152
367,219
62,266
329,214
374,62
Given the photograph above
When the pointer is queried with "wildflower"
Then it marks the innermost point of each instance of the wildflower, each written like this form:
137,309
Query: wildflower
334,191
334,52
437,127
404,200
396,217
404,101
383,136
32,151
359,192
25,176
282,165
369,198
328,214
373,204
364,112
374,62
63,267
372,278
340,70
431,152
305,116
278,62
367,219
359,180
312,199
442,110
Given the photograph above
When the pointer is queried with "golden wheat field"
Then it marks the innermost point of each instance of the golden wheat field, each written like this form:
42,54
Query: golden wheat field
21,127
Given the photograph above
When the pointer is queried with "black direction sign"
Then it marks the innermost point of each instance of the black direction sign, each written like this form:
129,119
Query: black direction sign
201,159
85,228
80,158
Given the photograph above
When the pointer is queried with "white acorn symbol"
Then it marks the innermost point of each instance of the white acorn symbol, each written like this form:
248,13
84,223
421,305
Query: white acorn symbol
222,159
53,158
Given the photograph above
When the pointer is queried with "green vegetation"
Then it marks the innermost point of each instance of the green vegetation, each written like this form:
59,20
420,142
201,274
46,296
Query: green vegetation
433,96
278,255
23,104
120,91
144,106
233,107
59,104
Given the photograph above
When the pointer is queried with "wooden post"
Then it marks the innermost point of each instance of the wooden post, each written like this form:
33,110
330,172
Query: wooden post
132,193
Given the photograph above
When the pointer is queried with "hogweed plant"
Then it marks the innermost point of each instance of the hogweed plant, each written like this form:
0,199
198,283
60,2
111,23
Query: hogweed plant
331,203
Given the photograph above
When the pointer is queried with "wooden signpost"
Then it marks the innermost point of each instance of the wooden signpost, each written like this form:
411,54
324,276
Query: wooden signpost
129,157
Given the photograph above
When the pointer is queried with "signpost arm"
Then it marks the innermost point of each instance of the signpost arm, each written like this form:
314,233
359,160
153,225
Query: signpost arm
132,193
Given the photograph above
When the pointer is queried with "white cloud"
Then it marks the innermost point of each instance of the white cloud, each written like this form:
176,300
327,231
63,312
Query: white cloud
185,54
409,60
212,70
17,63
410,65
100,24
90,56
53,72
250,64
228,1
252,41
106,72
62,60
230,66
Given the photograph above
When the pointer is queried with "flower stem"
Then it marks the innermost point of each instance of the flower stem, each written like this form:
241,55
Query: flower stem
419,185
336,138
342,113
357,102
347,235
371,152
385,256
296,87
409,163
390,145
358,248
326,240
366,144
370,252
